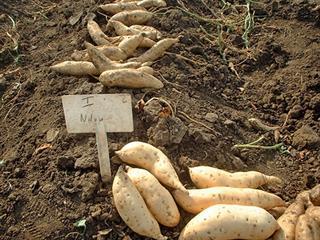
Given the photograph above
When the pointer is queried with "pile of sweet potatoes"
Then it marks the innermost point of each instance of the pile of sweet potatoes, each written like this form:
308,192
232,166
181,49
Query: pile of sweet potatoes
115,59
227,205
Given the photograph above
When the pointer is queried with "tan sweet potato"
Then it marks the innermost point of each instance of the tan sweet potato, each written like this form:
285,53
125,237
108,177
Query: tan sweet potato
204,177
146,69
96,34
132,208
307,229
146,156
157,50
225,222
288,221
123,30
129,78
130,44
132,17
314,212
112,52
150,32
152,3
158,199
200,199
146,42
277,212
114,8
315,195
77,68
103,63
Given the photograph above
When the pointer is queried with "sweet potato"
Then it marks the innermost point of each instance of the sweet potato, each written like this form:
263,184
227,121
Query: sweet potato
158,199
204,177
130,44
96,33
200,199
288,221
314,212
129,78
150,32
112,52
152,159
315,195
157,50
123,30
223,222
277,212
114,8
146,69
132,208
132,17
146,42
103,63
75,68
152,3
305,197
307,229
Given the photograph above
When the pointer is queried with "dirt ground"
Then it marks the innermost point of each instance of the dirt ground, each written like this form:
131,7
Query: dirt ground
49,179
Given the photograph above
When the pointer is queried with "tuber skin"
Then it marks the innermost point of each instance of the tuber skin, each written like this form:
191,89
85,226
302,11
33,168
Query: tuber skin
132,208
226,222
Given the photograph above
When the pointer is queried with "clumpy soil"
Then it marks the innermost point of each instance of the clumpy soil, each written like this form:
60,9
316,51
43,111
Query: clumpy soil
50,179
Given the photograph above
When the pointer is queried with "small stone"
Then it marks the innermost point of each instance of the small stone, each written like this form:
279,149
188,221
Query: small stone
315,103
229,123
167,131
52,134
305,137
211,117
65,162
86,162
200,136
296,112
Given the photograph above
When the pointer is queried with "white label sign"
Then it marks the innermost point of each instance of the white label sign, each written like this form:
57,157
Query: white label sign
83,112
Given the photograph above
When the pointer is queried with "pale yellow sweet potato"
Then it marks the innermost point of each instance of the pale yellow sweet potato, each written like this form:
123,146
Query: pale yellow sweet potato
132,17
132,208
96,34
130,44
226,222
112,52
157,50
288,221
152,3
204,177
103,63
314,212
114,8
150,32
307,229
200,199
146,69
146,156
158,199
77,68
129,78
